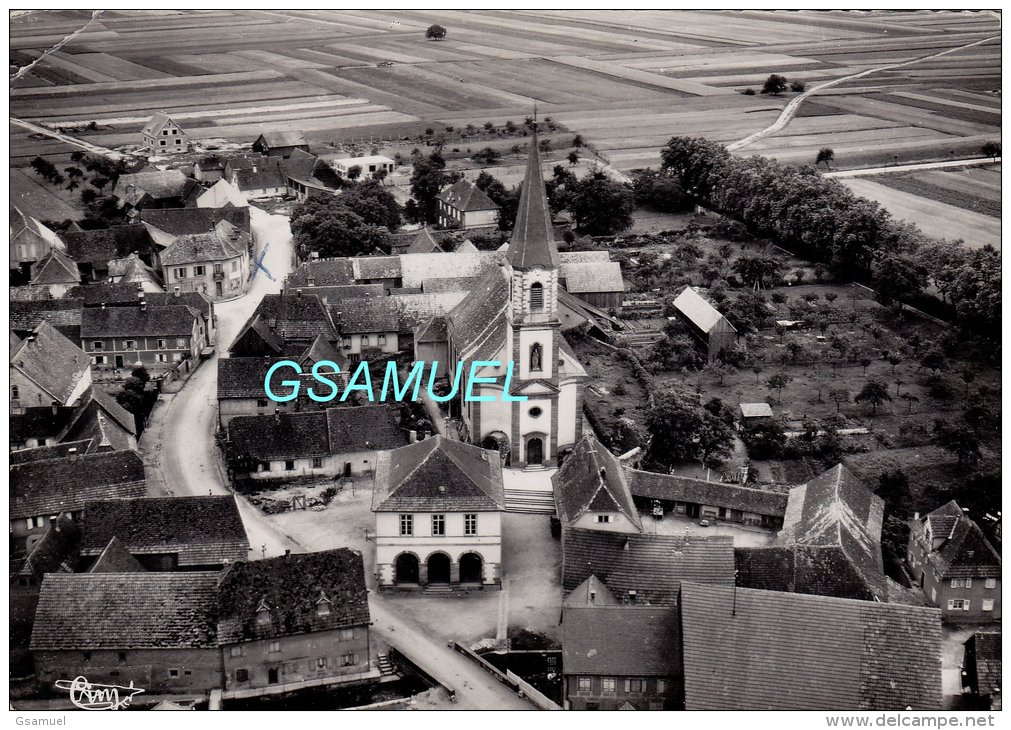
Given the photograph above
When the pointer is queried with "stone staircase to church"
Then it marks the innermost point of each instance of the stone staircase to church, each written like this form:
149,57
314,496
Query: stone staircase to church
529,501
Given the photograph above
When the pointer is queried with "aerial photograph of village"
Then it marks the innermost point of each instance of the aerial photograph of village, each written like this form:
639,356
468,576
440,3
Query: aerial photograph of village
505,360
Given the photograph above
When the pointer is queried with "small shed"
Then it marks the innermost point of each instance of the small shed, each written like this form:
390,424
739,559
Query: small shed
752,412
705,322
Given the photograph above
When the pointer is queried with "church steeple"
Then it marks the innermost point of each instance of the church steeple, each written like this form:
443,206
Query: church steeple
533,241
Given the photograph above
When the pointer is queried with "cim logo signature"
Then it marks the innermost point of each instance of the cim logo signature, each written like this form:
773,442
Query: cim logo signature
88,696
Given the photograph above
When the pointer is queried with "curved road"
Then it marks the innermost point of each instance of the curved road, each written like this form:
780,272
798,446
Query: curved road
790,110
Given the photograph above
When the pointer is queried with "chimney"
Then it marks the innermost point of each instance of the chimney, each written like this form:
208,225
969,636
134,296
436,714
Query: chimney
143,305
72,453
176,291
916,516
298,292
277,415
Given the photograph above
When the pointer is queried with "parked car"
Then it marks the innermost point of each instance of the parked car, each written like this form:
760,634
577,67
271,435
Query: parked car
704,522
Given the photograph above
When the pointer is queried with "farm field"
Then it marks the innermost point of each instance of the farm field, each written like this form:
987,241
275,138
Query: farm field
626,81
939,219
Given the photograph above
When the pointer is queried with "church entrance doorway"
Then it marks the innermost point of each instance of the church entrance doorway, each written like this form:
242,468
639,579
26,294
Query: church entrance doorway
535,451
438,568
406,568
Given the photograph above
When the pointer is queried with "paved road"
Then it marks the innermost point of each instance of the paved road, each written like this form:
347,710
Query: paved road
972,162
63,137
791,109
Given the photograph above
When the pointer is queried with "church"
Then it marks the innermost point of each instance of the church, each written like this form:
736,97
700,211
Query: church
512,315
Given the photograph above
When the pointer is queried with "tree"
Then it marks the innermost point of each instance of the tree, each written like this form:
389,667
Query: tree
909,398
755,269
933,359
99,182
830,297
960,440
427,180
748,312
435,33
573,158
893,488
826,155
659,191
601,206
577,141
894,360
991,149
373,203
764,438
489,126
719,370
354,172
839,396
797,86
865,363
775,84
777,382
327,226
898,277
488,156
682,430
141,374
874,392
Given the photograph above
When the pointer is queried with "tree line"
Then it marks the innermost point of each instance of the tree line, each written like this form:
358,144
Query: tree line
822,220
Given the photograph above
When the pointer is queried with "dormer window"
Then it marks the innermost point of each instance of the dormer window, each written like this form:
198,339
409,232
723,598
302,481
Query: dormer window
263,613
536,297
322,605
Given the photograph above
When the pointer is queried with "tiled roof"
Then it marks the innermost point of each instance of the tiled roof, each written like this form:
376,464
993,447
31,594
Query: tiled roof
650,485
986,656
182,221
965,552
821,571
96,247
463,195
225,241
200,530
424,243
338,292
328,272
292,588
193,299
697,310
167,321
478,323
434,330
242,377
267,175
621,641
56,451
466,247
364,428
650,565
67,484
51,361
63,314
283,138
418,268
591,479
454,284
365,316
293,316
836,515
126,611
157,122
591,592
756,410
438,475
160,184
22,224
55,268
414,309
95,295
593,277
533,239
133,270
115,558
762,650
376,267
57,551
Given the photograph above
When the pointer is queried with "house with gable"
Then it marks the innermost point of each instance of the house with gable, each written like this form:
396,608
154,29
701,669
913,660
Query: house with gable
707,325
155,189
280,143
154,336
30,241
215,263
981,670
47,370
438,506
954,565
56,272
464,205
167,533
295,621
163,136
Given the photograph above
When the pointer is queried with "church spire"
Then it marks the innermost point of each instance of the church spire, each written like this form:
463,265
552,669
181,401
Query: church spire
533,241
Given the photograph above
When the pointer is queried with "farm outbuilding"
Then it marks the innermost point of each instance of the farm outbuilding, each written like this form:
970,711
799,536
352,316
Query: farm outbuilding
595,282
706,323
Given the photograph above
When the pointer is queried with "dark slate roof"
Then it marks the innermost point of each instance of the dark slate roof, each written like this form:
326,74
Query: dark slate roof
438,475
202,530
434,330
97,247
95,295
423,243
280,436
39,422
339,292
55,268
193,299
182,221
266,175
364,428
224,241
533,239
836,515
821,571
376,267
291,316
57,551
650,565
103,421
67,484
51,361
358,315
965,552
168,321
763,650
292,588
56,451
126,611
591,592
283,138
591,479
242,377
986,655
622,641
463,195
650,485
478,323
115,558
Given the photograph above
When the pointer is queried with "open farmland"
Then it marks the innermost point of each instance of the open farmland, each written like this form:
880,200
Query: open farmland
626,81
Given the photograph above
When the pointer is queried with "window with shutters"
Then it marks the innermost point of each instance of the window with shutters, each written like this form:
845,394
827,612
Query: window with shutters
990,583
